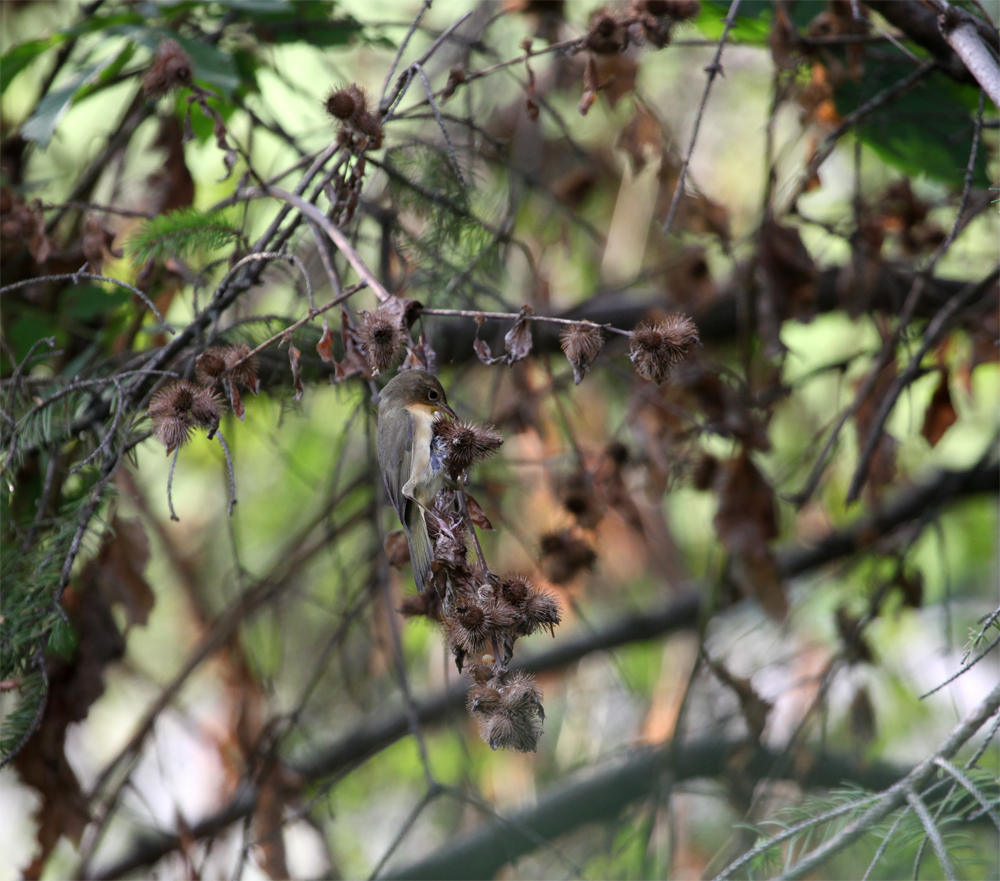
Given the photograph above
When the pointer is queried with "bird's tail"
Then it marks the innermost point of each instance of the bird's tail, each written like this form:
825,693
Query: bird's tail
421,551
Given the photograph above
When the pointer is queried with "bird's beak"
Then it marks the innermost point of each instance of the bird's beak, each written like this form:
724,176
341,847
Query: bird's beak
444,408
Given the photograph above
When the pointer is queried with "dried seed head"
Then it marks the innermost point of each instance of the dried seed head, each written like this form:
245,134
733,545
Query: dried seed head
476,625
206,408
171,67
484,698
171,411
582,343
382,337
370,125
540,609
347,102
577,493
465,443
514,589
422,604
656,347
239,370
605,33
518,730
521,694
210,367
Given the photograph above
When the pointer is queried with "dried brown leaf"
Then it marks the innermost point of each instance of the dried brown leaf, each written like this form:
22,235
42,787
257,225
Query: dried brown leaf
476,514
940,414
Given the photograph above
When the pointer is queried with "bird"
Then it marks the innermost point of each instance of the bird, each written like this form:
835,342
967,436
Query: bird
413,473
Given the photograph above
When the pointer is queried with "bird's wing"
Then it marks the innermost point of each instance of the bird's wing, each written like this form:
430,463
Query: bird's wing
395,458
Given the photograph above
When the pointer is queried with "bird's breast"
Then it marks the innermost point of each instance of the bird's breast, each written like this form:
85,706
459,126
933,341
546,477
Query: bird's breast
426,467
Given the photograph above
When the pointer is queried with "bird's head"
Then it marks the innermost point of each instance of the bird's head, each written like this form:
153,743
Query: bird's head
415,390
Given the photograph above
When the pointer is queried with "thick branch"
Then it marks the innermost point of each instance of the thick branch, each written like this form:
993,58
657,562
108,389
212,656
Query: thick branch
959,29
601,797
919,22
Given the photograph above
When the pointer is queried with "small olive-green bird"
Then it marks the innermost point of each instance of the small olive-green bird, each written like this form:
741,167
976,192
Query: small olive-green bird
413,475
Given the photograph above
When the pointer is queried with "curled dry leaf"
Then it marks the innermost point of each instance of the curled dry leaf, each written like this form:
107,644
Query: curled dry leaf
476,514
517,342
940,414
421,357
456,76
294,357
753,707
354,363
862,717
324,348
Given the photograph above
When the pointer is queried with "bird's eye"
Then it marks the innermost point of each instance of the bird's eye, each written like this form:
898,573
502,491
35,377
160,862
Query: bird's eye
432,394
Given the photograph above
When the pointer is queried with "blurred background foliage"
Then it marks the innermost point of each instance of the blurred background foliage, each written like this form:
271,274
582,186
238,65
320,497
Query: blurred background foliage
754,605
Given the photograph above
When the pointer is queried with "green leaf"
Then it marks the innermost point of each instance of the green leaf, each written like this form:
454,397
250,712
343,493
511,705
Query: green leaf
41,125
17,59
753,19
109,73
308,21
926,131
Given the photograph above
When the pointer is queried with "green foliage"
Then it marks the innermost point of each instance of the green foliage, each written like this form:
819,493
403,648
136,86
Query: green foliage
927,131
41,125
181,233
31,571
453,242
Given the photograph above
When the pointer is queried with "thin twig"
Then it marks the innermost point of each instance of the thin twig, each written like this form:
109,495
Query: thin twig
444,131
387,102
933,833
119,410
309,316
961,671
404,829
382,102
170,485
76,276
514,316
313,213
713,70
229,467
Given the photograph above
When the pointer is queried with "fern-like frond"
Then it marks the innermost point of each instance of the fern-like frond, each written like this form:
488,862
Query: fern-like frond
181,233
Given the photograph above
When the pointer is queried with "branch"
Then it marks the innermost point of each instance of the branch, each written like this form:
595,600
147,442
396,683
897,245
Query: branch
719,321
316,216
910,504
896,795
601,797
959,29
712,70
919,22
